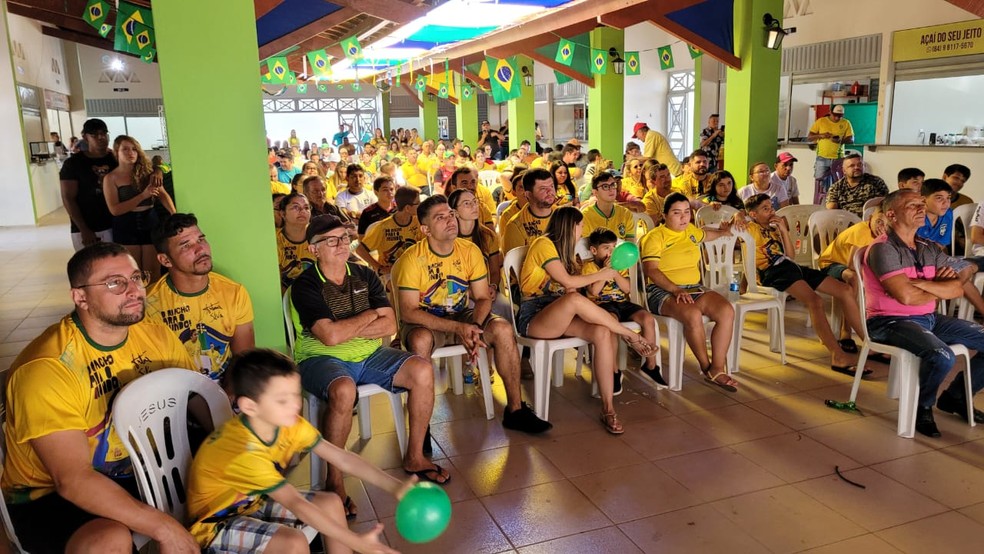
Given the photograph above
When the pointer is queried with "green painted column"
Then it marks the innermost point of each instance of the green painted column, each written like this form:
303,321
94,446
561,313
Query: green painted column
231,200
698,88
752,102
522,117
428,116
384,104
466,115
606,100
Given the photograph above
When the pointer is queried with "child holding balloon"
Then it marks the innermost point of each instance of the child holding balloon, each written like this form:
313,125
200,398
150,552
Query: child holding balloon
238,495
613,296
552,306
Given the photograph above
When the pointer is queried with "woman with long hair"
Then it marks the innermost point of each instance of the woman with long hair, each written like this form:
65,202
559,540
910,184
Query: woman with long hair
566,190
632,177
131,198
378,138
293,254
465,204
552,307
723,192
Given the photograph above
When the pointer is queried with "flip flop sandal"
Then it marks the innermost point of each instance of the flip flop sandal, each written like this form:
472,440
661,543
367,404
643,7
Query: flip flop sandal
850,370
428,475
848,345
713,379
611,423
349,506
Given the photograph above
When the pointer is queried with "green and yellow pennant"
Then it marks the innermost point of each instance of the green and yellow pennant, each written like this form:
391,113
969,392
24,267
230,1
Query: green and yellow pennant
632,65
95,13
279,71
421,83
565,52
502,78
320,63
666,57
134,29
352,48
599,61
694,52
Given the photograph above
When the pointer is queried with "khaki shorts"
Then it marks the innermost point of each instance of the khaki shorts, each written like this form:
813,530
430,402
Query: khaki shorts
443,339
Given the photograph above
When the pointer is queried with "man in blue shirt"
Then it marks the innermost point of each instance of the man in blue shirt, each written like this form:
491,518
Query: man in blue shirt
286,169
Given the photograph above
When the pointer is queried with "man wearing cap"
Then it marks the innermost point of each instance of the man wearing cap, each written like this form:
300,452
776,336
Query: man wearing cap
830,133
783,176
489,136
656,146
81,187
286,169
341,313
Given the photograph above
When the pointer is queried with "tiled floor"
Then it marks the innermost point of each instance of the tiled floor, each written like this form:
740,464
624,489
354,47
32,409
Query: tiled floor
696,471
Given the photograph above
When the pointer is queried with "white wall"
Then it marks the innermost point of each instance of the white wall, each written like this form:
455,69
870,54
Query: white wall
825,20
143,80
956,102
15,188
645,94
38,60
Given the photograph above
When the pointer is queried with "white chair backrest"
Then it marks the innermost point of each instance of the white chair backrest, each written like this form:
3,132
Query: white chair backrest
856,265
798,218
719,259
748,260
709,216
826,225
512,266
962,216
289,321
642,224
502,207
582,251
150,415
489,178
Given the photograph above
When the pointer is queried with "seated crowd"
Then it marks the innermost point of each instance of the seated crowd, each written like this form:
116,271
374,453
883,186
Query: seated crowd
389,254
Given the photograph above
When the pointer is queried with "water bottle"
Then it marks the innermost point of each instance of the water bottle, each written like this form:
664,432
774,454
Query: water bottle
733,292
469,376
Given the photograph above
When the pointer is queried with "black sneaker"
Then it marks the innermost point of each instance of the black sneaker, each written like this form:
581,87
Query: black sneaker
925,424
525,420
957,406
617,386
654,374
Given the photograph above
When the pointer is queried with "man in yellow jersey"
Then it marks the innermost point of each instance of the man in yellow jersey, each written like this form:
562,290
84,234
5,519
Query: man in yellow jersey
830,133
435,280
67,478
341,313
393,235
695,179
605,212
208,312
656,146
531,221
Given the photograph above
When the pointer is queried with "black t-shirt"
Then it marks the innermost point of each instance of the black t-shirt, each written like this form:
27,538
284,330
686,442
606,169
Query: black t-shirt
89,173
372,214
315,298
491,141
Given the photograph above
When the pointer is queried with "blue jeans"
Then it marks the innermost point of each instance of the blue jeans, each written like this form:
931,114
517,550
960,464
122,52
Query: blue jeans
927,336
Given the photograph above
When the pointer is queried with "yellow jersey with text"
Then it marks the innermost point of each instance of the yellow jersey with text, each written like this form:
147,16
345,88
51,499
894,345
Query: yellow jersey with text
63,381
619,221
522,228
234,469
293,257
441,281
677,252
204,321
390,239
533,279
768,245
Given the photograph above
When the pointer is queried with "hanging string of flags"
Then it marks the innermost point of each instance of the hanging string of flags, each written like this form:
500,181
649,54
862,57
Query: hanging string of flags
134,31
566,49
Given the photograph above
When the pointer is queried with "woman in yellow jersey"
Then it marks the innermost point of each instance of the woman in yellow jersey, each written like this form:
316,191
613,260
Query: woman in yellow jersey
671,261
293,253
465,205
552,306
566,190
632,179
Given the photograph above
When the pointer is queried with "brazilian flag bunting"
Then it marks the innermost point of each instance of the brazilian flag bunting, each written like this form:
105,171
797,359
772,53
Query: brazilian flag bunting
502,77
322,87
599,61
565,52
561,78
148,56
134,29
95,13
278,69
632,66
320,64
302,88
352,48
694,52
421,83
442,91
666,57
104,30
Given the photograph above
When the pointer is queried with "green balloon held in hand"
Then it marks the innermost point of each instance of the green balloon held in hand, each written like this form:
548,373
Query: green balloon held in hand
624,256
423,513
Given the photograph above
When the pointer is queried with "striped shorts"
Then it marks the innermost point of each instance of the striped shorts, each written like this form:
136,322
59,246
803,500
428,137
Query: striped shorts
252,532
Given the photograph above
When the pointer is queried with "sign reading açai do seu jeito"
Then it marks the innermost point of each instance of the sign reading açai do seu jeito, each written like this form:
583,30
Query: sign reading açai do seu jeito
939,41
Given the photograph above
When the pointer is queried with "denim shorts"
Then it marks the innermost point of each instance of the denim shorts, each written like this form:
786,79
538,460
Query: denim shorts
655,296
528,310
319,372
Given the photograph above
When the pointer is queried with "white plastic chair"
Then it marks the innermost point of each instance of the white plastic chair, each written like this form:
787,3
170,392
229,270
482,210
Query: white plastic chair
150,416
869,207
709,216
798,218
644,221
364,394
903,371
489,178
547,354
719,259
826,225
751,276
962,216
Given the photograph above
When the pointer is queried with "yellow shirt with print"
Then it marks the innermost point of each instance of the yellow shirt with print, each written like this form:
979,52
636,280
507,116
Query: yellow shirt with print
538,163
390,239
62,381
441,281
293,258
204,321
654,205
511,210
619,221
658,148
235,469
839,251
633,187
768,245
827,148
690,185
276,187
533,277
522,228
677,252
610,292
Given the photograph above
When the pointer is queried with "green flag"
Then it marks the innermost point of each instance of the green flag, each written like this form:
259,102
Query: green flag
148,56
467,92
322,87
561,78
320,64
291,79
666,57
356,86
130,21
632,66
565,52
694,53
104,29
599,61
95,13
421,83
352,48
278,69
442,91
502,77
302,88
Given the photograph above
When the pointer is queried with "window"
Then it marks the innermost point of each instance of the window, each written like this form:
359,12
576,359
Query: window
680,112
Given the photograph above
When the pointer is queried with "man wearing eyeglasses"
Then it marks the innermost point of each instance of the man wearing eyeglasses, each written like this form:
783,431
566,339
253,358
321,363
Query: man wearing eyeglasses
392,236
67,478
210,314
605,212
436,278
341,314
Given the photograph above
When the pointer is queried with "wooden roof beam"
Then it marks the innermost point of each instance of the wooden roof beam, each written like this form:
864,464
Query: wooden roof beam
81,38
561,68
263,7
413,94
390,10
57,19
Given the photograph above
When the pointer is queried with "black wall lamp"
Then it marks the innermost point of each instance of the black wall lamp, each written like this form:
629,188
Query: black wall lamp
618,64
774,32
527,77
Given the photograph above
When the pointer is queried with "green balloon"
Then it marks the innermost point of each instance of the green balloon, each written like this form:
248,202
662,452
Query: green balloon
423,513
625,256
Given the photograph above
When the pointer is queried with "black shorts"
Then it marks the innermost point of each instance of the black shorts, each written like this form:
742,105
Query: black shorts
622,310
782,275
133,228
46,524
